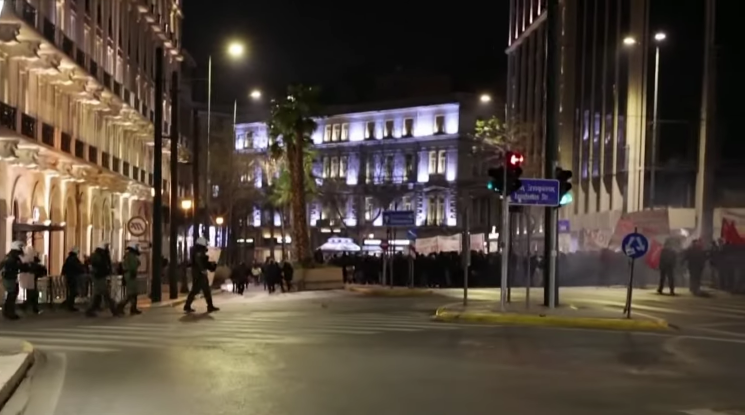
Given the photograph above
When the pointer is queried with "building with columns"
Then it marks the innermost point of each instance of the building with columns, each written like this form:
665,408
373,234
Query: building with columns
76,119
407,155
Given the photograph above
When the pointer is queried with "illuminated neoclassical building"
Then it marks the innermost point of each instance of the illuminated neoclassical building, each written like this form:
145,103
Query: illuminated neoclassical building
411,155
76,119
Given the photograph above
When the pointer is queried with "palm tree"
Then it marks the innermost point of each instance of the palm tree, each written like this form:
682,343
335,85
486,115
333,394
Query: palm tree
290,128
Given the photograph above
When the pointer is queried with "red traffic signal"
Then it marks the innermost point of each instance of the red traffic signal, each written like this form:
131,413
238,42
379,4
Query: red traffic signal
515,159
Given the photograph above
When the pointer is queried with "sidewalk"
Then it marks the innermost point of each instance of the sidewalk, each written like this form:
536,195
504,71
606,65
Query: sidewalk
383,291
518,313
16,358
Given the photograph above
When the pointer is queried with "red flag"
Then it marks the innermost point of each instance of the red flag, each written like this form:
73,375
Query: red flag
653,256
729,233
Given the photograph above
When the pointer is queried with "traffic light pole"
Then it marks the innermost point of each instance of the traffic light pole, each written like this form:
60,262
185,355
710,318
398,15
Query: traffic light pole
550,286
504,239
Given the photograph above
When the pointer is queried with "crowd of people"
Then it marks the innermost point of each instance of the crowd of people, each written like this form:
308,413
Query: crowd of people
270,274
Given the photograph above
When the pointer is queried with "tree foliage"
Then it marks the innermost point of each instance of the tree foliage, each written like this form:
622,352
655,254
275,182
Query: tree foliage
291,126
493,136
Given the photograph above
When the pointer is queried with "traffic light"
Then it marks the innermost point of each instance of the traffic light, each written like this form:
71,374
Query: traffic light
565,186
514,171
496,180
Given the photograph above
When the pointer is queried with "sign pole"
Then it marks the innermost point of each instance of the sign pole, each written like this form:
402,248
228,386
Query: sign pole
635,246
528,236
629,290
505,243
466,245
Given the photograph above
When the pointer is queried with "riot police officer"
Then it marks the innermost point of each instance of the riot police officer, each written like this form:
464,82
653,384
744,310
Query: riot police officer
12,265
101,269
200,282
130,265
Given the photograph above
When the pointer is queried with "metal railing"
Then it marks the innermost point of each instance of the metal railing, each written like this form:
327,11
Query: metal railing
53,290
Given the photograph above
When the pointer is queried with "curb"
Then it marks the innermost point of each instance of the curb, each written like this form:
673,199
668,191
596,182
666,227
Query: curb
442,314
6,390
390,292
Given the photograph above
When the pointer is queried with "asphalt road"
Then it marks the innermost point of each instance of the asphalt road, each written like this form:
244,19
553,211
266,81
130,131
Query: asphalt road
321,355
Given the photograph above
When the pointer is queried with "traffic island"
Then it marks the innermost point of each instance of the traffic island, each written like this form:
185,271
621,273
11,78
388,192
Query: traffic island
16,358
383,291
537,315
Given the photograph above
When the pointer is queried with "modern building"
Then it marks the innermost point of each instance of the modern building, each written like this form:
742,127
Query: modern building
605,117
412,155
77,107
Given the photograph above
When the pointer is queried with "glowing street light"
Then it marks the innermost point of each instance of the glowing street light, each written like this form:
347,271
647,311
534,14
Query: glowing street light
186,204
236,49
485,98
629,41
219,220
255,94
660,36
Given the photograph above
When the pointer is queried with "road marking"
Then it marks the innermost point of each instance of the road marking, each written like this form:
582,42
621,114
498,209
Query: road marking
705,412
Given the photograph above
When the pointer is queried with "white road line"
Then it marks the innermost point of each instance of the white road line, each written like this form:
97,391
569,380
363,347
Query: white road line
703,412
63,349
208,328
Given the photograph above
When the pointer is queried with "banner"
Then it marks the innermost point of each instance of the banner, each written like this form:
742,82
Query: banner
477,242
729,233
450,243
426,246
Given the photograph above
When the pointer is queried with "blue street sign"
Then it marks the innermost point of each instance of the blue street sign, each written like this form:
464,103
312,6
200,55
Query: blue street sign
564,226
399,218
635,245
537,192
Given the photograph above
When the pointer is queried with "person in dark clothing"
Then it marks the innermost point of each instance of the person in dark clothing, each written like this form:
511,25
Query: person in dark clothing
668,261
101,268
239,277
695,258
200,281
273,275
32,294
12,265
73,271
287,272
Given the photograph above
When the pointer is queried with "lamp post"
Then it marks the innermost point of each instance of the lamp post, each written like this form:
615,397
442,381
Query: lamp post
235,50
186,205
658,38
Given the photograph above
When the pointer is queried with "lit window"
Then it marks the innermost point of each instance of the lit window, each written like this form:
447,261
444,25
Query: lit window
368,170
248,142
326,167
441,161
433,162
389,129
344,132
408,127
343,167
440,124
327,134
388,168
370,131
337,133
406,203
215,190
334,167
368,208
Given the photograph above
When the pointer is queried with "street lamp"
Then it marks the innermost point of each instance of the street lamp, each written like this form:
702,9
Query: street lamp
485,98
186,204
629,41
255,94
236,49
659,37
219,220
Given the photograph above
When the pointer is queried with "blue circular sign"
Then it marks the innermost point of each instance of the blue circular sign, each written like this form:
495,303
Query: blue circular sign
635,245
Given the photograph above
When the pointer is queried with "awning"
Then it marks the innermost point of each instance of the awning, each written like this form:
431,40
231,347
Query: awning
340,245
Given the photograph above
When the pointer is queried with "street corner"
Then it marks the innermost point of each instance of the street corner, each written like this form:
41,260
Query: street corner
456,313
380,291
16,358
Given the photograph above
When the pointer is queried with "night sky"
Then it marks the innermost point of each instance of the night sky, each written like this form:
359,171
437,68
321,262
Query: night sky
319,43
344,49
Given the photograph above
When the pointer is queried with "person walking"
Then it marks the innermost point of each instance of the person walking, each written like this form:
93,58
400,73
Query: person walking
200,281
101,269
130,264
73,270
11,267
668,262
287,274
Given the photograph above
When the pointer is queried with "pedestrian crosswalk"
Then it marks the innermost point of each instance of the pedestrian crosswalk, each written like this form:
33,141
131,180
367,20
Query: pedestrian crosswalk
219,330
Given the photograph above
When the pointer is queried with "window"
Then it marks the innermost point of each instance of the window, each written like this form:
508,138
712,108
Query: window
337,133
409,165
326,167
119,70
246,178
442,158
344,132
369,170
72,29
433,162
388,129
327,134
408,127
248,140
215,190
388,169
87,41
406,203
98,51
370,130
334,167
343,167
439,124
369,207
436,210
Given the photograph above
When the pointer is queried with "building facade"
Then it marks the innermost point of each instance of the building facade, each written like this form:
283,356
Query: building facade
604,114
415,156
77,106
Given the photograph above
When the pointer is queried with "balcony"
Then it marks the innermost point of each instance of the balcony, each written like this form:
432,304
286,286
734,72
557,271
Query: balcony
28,126
7,116
47,134
68,47
49,31
66,143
